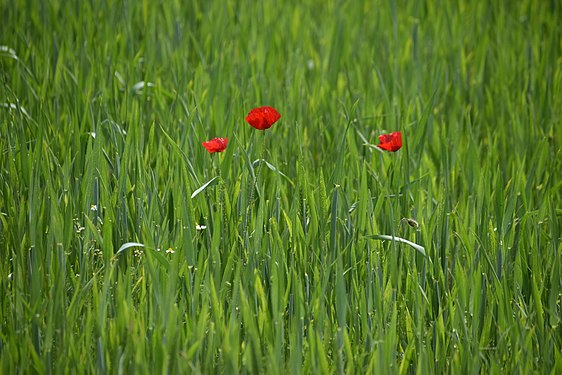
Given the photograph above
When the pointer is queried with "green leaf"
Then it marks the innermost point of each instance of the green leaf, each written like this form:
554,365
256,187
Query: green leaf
272,167
178,149
126,246
211,182
385,237
139,86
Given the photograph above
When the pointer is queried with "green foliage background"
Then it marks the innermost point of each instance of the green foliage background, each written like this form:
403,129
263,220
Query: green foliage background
103,108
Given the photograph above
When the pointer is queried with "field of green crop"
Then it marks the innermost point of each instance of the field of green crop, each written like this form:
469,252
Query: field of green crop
125,247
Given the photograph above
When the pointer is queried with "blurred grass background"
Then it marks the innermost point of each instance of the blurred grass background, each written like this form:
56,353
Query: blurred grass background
103,108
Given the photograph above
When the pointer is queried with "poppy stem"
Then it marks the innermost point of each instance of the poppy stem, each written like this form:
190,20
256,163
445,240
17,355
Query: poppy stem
253,187
262,158
222,205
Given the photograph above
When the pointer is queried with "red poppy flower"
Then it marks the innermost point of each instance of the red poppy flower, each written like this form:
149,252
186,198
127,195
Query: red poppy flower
390,142
263,117
216,145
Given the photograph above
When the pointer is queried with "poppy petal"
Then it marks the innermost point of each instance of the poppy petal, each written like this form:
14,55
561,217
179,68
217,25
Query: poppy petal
390,142
216,145
262,118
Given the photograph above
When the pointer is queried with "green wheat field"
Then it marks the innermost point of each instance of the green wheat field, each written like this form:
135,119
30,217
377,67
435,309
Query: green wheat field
127,248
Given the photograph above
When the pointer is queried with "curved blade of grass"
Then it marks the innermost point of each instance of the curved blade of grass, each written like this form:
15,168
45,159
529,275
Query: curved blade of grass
180,151
383,237
15,107
249,164
272,167
6,51
126,246
156,253
205,185
139,86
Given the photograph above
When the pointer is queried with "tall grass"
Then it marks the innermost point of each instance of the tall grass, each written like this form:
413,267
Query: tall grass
111,263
